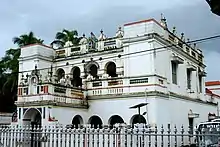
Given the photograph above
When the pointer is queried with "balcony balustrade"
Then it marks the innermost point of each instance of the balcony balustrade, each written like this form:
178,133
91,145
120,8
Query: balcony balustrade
121,86
51,94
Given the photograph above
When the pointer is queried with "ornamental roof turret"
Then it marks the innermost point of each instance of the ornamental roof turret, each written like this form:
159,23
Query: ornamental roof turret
102,36
84,40
120,33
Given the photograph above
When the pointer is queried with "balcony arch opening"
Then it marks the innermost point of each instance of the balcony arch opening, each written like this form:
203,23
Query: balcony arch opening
77,80
93,70
77,121
60,74
95,121
111,69
115,119
138,119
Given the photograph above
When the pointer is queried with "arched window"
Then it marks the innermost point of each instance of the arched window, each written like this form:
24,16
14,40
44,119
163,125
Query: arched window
111,69
60,74
76,81
93,70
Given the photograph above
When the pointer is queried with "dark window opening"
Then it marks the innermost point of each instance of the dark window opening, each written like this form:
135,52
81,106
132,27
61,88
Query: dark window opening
93,70
200,84
174,72
111,69
76,81
188,72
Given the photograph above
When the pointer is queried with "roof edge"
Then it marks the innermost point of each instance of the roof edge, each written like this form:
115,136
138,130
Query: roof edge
37,44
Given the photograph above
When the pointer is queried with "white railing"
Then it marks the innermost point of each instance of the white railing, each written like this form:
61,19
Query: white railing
105,136
115,91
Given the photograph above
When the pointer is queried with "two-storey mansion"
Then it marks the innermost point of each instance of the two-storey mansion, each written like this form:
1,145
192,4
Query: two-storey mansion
99,80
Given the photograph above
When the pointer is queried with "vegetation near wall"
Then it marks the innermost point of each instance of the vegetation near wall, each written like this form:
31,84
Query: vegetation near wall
9,65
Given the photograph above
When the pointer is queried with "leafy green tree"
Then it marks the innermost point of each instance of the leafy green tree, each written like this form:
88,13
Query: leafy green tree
65,36
9,67
26,39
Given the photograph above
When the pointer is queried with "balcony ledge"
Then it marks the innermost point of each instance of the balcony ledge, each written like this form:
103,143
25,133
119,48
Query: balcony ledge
83,105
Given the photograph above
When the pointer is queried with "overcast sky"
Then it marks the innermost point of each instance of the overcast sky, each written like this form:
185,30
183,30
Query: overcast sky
46,17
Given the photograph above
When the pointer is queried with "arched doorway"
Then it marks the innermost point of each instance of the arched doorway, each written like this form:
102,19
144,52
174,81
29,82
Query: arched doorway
76,81
77,121
138,119
95,121
115,119
32,116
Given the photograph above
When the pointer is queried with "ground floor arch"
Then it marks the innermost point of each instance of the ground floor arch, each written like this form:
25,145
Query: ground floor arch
95,121
115,119
32,116
77,121
138,119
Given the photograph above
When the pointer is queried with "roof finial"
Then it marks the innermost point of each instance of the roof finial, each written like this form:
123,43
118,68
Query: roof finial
102,36
120,32
163,21
174,30
182,36
194,45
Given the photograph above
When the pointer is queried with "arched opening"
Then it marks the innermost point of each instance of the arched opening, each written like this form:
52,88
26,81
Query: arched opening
76,81
111,69
32,116
77,121
95,121
115,119
93,70
138,119
60,74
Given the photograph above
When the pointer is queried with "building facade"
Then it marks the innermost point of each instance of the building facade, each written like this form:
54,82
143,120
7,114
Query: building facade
98,81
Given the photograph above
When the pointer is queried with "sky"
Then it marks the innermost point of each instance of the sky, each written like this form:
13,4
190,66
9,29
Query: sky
45,18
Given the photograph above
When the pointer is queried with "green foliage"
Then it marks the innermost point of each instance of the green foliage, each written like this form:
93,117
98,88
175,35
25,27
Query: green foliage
66,35
9,67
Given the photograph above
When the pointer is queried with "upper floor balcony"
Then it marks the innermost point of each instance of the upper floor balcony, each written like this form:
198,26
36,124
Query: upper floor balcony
54,94
90,45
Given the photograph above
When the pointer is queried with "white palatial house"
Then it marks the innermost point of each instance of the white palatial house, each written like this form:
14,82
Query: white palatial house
99,80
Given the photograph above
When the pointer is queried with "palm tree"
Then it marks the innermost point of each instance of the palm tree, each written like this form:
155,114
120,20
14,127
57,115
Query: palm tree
9,71
65,36
26,39
9,79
